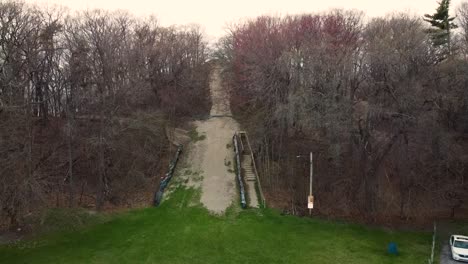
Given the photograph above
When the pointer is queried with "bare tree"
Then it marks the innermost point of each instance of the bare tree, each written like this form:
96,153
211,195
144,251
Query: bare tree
462,16
73,89
368,97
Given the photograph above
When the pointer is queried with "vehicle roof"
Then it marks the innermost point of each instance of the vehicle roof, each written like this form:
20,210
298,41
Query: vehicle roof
459,237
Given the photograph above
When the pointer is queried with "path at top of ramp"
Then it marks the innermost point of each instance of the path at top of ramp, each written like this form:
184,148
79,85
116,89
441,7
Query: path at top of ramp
211,155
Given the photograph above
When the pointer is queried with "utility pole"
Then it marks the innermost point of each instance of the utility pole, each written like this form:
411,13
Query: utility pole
311,198
311,171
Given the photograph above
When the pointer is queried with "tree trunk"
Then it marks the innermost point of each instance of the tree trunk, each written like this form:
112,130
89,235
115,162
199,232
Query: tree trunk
70,157
101,161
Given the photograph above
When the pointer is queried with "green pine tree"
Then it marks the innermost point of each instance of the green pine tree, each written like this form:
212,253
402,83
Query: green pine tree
442,23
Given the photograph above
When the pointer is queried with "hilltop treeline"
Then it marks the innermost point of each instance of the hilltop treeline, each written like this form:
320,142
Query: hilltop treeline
83,101
383,108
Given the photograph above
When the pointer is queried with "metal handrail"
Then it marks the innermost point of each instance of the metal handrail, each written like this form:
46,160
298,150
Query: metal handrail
158,196
241,143
239,169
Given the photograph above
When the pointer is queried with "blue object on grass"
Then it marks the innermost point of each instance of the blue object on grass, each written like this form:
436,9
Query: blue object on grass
392,248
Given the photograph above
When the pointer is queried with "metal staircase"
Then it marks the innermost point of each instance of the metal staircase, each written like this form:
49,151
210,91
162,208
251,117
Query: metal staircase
249,172
247,167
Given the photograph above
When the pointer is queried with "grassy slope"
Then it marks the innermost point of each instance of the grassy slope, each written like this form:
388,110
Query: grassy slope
178,233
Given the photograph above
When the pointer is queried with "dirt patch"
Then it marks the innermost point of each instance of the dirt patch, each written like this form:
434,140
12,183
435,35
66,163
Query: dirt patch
177,136
8,237
210,154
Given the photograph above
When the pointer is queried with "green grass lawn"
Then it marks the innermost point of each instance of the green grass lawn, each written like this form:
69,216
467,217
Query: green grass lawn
181,231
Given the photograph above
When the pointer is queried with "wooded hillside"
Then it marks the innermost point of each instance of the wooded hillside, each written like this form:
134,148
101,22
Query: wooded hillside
382,106
84,98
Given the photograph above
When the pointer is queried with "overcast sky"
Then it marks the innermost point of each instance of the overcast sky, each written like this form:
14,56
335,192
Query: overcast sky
213,15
